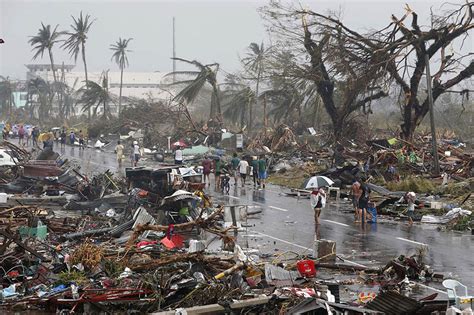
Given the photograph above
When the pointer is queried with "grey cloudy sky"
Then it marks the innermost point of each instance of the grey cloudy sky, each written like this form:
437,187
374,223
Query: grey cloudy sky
208,31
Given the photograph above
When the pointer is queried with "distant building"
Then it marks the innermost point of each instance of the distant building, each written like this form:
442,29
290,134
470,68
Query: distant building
135,84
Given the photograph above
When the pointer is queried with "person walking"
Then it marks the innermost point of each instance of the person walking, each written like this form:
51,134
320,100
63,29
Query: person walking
72,138
254,165
243,169
35,135
29,132
178,156
262,171
81,140
363,202
21,136
119,152
206,170
136,153
318,201
217,172
355,192
63,138
234,166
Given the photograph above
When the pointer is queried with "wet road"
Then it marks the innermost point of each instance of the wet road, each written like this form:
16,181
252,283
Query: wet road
287,223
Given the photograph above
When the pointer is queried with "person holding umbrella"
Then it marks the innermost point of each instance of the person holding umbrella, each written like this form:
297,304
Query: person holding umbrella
318,201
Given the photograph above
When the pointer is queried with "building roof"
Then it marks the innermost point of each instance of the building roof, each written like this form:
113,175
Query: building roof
47,66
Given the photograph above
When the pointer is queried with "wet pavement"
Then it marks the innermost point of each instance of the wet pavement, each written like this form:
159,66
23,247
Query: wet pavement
287,223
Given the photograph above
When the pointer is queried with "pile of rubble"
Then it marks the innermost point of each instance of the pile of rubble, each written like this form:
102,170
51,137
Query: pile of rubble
154,241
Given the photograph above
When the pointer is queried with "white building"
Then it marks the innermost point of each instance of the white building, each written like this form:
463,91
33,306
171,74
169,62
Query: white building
135,84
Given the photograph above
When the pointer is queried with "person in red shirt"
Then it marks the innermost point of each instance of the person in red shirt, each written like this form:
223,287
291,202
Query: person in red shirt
206,170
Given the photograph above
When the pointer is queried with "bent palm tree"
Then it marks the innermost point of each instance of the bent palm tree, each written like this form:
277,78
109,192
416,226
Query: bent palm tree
206,74
39,98
120,56
44,41
93,96
236,103
76,42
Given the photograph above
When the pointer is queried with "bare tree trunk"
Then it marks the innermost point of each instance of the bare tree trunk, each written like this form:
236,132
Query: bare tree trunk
120,93
218,102
256,99
85,70
52,64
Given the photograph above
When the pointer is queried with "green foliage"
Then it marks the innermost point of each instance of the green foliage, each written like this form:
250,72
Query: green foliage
120,52
44,40
93,96
412,183
464,223
67,277
192,87
77,38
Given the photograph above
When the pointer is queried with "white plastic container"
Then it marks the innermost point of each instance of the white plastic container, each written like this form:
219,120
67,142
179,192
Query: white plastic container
3,198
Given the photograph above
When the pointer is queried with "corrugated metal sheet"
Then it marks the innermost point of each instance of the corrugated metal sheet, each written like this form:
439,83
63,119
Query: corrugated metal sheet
393,303
142,216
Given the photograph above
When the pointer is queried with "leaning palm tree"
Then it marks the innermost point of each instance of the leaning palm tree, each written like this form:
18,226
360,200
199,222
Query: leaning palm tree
254,64
236,103
44,41
93,96
120,56
76,42
39,98
206,74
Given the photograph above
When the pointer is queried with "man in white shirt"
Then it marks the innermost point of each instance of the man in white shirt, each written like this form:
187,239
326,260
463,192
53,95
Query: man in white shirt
178,156
136,152
243,169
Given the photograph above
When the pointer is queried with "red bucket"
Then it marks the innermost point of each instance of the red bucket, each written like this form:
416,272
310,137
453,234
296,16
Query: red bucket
306,268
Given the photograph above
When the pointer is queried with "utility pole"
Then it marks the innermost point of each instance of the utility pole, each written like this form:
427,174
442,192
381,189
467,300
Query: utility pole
433,130
174,51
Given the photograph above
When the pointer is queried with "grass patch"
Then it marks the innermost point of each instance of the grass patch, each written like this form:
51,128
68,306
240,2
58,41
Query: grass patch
287,181
296,176
463,223
415,184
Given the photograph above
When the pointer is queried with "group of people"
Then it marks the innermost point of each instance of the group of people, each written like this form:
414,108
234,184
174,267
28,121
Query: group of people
364,207
25,134
72,138
135,153
360,200
238,168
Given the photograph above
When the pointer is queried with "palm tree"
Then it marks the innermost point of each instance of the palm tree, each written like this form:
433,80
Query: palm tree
76,42
45,40
120,56
6,95
93,96
254,63
39,98
236,102
206,74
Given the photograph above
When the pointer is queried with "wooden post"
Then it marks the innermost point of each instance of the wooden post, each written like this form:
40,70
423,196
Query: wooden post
325,250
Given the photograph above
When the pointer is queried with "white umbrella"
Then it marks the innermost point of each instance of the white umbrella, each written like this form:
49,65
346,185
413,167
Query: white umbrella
318,181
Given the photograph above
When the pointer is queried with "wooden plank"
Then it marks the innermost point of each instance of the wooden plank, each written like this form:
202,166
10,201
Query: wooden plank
212,308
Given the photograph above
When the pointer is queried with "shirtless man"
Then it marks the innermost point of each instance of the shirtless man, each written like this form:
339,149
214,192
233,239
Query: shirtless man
356,192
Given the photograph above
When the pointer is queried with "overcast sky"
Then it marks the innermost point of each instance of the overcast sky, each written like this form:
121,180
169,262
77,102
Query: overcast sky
208,31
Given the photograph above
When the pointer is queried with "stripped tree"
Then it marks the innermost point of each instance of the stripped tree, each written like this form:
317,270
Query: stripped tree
338,61
411,46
